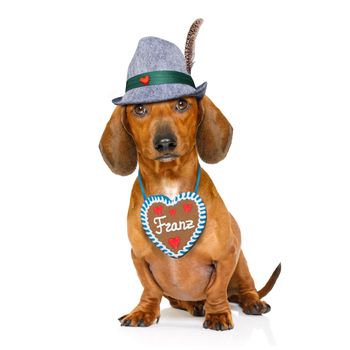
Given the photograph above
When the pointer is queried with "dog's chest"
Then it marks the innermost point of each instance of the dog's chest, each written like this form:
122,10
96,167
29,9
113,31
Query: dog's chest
169,189
182,279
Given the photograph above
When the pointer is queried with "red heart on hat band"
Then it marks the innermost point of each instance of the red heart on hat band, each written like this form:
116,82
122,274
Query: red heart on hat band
145,79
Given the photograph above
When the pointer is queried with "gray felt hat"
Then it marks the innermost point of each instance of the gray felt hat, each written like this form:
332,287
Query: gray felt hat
157,72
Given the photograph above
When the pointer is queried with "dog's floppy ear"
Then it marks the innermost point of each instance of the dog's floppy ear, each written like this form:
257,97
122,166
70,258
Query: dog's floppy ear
214,134
117,145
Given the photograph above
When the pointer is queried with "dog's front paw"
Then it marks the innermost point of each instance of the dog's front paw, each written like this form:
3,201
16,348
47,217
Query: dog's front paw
218,321
139,319
256,307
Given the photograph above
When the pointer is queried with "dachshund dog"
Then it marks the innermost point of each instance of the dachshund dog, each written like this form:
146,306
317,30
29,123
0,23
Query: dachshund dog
165,139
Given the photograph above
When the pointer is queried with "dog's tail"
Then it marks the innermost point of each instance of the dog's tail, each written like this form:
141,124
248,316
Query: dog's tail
270,283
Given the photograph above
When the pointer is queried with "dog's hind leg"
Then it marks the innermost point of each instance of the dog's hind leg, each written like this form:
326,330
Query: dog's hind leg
242,290
195,308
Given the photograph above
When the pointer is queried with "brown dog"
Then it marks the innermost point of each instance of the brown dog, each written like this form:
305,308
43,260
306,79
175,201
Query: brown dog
165,138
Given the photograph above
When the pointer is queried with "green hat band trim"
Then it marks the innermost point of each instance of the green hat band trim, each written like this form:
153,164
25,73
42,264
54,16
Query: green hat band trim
157,78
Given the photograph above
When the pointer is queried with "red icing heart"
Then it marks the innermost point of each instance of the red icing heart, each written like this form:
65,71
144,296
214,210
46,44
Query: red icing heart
187,207
145,79
158,210
172,212
174,242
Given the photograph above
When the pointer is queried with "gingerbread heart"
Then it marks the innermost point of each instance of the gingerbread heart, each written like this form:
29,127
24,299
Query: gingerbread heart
174,226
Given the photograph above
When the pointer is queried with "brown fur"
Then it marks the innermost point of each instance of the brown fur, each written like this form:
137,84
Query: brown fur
117,146
215,270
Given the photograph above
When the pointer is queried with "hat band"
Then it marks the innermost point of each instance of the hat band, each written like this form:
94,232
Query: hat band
157,78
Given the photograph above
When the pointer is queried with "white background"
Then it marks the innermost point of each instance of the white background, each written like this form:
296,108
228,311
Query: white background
279,70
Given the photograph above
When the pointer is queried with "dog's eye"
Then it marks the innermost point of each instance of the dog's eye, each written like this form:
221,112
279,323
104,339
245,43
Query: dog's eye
181,105
140,110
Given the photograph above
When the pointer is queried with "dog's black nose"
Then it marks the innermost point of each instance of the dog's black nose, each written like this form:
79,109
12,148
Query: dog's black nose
165,144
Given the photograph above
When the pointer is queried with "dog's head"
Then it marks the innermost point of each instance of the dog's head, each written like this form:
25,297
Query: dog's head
163,132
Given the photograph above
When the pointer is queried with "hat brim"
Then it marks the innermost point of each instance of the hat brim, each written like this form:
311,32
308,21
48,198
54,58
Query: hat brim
158,93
